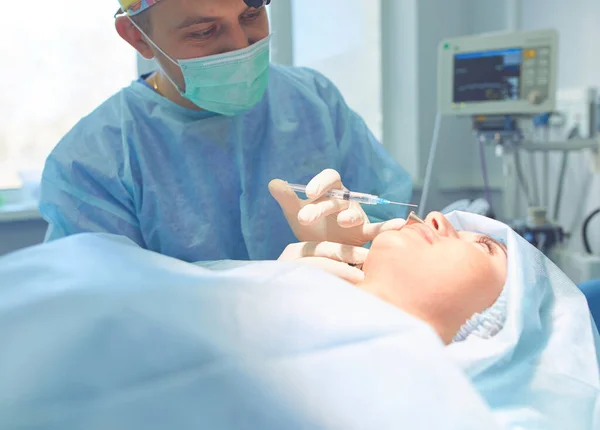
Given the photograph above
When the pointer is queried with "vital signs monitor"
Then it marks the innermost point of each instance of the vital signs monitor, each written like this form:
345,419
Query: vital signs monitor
498,74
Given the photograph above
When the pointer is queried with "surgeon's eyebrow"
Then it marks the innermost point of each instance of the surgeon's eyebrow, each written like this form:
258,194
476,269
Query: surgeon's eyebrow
195,20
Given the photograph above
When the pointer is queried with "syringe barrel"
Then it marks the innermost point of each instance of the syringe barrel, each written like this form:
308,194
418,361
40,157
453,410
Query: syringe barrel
365,199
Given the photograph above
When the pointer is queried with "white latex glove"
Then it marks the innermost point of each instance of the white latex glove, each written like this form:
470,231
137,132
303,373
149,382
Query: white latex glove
343,261
320,218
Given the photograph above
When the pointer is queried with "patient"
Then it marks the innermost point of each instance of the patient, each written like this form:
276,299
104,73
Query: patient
438,274
113,336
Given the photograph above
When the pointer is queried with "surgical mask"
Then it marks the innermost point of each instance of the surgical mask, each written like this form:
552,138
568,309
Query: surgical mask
228,84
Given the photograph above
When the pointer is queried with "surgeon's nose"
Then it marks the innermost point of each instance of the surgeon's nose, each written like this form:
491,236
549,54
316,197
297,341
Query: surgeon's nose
439,223
238,39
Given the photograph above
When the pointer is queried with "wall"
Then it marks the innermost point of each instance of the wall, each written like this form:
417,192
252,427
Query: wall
457,172
400,71
578,24
344,44
449,20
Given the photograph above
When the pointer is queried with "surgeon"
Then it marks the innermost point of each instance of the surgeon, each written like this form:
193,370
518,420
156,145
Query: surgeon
180,160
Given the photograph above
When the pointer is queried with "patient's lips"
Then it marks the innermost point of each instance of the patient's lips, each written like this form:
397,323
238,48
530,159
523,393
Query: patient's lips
419,226
424,231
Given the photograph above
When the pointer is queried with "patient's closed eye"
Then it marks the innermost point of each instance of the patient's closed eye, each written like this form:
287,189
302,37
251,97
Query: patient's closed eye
489,244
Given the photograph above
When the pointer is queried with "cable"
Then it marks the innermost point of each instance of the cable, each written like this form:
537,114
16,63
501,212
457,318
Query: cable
541,240
561,181
584,230
546,169
429,169
573,133
521,178
484,172
534,179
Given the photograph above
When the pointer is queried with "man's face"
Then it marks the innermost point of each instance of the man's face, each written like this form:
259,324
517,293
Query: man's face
186,29
436,273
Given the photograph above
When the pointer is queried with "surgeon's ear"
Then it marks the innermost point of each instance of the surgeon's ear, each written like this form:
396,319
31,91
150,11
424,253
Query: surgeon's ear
132,35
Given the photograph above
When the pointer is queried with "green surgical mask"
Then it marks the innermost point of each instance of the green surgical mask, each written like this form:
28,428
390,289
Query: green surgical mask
228,84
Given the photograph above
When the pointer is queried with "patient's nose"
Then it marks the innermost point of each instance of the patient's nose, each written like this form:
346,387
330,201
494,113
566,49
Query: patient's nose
439,223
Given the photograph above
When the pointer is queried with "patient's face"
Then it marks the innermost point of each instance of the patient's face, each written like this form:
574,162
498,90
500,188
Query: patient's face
436,273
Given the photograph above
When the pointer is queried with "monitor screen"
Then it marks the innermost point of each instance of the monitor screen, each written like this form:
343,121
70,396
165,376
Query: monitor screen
487,76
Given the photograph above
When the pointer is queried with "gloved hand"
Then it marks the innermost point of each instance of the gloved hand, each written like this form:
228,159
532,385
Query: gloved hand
321,219
344,261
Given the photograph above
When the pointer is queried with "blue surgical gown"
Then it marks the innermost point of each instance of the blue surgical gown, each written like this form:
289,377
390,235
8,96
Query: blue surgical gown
193,184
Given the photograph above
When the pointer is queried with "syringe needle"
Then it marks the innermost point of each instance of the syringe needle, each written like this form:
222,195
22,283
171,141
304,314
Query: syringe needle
403,204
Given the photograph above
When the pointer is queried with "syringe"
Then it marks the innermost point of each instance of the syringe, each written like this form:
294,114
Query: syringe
362,198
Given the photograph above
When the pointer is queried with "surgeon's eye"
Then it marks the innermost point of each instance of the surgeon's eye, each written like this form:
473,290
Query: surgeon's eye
204,34
251,16
488,243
